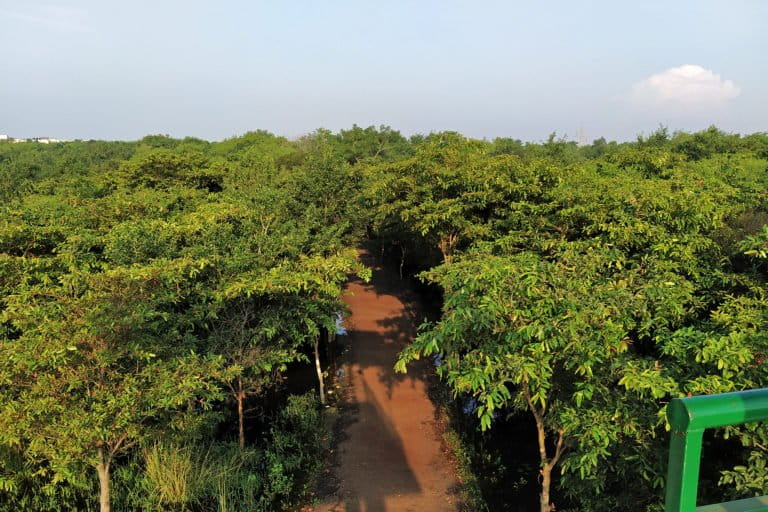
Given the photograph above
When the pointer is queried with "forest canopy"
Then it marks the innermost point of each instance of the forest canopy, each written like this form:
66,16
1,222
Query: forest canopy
151,292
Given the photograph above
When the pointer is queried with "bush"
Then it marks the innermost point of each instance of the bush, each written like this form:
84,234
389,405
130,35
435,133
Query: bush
28,486
222,477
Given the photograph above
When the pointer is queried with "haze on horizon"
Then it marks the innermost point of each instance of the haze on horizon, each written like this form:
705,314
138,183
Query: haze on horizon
93,69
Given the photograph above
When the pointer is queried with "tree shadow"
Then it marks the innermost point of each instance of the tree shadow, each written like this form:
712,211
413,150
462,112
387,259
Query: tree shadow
378,340
367,360
386,281
377,399
382,469
386,472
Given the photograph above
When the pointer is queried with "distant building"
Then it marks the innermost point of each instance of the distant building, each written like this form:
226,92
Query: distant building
41,140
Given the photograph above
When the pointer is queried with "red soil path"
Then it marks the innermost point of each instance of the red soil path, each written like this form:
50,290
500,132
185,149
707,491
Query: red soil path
390,456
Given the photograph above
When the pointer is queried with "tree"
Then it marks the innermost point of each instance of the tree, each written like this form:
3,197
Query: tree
165,167
299,299
85,375
248,337
610,287
542,337
451,195
359,143
436,194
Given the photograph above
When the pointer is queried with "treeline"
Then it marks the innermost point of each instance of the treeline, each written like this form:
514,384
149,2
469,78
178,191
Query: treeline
153,291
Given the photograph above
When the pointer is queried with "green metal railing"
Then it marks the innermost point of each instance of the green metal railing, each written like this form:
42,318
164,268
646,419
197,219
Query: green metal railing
689,417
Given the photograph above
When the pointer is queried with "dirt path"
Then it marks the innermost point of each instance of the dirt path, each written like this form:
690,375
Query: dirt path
390,457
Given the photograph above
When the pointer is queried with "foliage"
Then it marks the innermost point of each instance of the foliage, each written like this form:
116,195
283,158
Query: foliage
134,294
150,288
622,287
271,476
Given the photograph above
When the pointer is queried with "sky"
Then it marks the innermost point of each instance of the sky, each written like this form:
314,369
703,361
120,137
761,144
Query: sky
104,69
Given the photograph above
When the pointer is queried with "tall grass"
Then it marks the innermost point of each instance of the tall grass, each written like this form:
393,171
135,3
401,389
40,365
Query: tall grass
190,477
235,486
177,475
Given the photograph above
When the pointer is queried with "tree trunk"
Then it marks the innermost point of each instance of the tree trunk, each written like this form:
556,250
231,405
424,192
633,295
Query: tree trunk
330,339
319,371
402,260
446,247
547,463
546,481
102,467
240,419
546,468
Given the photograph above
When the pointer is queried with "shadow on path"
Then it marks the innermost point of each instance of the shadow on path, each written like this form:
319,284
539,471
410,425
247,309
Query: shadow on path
390,455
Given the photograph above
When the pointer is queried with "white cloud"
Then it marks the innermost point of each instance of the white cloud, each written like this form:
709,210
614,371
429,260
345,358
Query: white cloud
685,86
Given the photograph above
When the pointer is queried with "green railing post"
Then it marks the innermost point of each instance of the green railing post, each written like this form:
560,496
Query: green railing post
683,470
688,418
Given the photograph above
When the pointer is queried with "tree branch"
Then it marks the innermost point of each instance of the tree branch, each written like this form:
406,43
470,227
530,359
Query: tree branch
559,449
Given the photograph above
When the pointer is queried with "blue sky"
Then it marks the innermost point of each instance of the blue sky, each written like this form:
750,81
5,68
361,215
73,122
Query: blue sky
120,70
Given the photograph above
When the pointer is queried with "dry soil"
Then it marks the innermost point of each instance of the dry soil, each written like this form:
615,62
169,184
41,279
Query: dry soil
390,458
